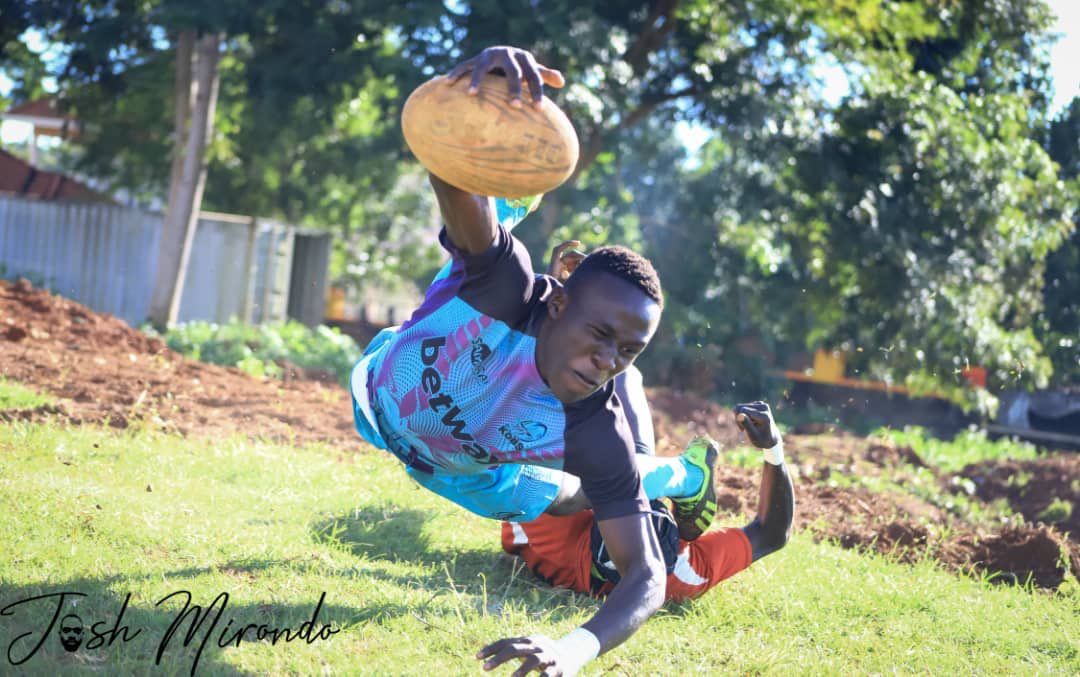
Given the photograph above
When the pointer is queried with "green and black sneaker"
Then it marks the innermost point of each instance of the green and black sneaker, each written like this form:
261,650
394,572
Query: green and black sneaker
695,514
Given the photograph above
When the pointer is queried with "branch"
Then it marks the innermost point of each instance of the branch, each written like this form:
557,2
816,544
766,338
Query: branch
652,36
594,143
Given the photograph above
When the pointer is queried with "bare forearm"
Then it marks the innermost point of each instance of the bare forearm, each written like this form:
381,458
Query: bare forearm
629,605
469,218
771,528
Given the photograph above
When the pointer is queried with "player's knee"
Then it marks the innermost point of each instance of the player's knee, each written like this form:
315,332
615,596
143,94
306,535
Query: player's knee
766,538
571,499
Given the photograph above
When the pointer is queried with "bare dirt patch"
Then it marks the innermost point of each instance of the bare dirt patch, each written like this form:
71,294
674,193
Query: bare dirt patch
1039,542
102,371
1044,489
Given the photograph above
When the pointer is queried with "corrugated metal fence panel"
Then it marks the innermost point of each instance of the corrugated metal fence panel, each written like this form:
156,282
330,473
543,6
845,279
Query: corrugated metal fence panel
105,257
273,267
257,274
102,256
307,288
215,284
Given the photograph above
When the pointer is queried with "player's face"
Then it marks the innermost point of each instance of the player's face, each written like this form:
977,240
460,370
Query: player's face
594,332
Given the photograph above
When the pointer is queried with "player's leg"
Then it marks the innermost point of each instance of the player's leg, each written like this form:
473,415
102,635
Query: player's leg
554,548
686,479
703,563
671,477
570,498
661,477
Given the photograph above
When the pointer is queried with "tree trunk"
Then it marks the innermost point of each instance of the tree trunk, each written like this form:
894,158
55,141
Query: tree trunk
184,95
189,170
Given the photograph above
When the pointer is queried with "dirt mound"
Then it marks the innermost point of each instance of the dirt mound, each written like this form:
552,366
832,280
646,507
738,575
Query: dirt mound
1019,553
1016,553
100,370
1042,490
679,416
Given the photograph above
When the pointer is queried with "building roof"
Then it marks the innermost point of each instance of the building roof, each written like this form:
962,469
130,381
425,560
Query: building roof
40,108
44,116
19,177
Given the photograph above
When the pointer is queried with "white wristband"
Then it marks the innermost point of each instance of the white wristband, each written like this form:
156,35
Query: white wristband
775,455
577,648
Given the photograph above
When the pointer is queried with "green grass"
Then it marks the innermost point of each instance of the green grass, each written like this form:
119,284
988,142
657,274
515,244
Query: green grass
416,586
967,447
16,396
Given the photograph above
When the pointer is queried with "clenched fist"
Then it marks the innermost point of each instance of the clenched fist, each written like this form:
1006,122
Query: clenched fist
756,420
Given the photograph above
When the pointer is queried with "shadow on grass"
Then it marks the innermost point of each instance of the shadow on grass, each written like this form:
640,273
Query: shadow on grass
123,635
126,633
393,534
385,532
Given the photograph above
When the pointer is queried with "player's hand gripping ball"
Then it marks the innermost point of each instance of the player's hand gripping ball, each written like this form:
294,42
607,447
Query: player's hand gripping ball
484,145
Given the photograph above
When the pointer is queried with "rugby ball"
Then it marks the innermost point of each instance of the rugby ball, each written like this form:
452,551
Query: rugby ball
482,145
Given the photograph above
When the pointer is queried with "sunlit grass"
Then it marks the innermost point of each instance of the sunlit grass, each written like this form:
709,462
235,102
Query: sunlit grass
16,396
416,586
967,447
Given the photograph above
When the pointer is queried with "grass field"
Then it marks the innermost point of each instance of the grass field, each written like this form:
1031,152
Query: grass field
413,585
16,396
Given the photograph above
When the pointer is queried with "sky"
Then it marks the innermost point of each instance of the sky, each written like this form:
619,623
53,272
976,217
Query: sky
1064,71
1065,55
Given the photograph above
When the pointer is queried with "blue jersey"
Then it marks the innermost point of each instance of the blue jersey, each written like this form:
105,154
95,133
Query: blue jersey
457,387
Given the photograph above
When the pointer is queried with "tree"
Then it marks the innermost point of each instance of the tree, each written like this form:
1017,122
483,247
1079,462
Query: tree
911,223
1059,322
195,100
911,220
290,64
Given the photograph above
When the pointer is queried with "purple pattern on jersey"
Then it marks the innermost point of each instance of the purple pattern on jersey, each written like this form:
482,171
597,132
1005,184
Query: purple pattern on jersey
461,388
439,293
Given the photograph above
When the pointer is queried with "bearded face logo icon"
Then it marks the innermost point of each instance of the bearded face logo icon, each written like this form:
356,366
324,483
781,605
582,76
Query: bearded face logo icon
71,632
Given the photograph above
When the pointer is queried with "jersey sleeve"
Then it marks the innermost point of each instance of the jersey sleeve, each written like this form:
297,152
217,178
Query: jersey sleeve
600,451
497,282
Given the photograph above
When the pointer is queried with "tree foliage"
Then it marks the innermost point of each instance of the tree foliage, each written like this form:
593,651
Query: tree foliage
923,220
909,225
1059,322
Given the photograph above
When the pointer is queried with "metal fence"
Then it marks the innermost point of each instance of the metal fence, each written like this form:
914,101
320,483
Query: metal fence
105,257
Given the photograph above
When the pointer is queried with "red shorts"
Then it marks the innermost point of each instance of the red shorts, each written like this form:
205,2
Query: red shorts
557,550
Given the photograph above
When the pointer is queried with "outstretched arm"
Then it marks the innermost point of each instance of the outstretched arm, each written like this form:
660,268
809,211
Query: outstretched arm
632,543
470,219
770,530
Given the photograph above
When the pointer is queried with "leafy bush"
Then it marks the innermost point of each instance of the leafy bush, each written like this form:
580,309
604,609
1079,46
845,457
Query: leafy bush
261,350
1059,510
969,446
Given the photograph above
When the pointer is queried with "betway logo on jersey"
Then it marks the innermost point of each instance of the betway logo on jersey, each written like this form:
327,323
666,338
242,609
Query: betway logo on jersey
440,402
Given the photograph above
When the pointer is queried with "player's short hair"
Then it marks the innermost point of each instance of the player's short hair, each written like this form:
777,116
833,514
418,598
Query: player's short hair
623,263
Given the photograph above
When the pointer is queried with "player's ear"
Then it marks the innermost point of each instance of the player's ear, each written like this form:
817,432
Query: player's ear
557,302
